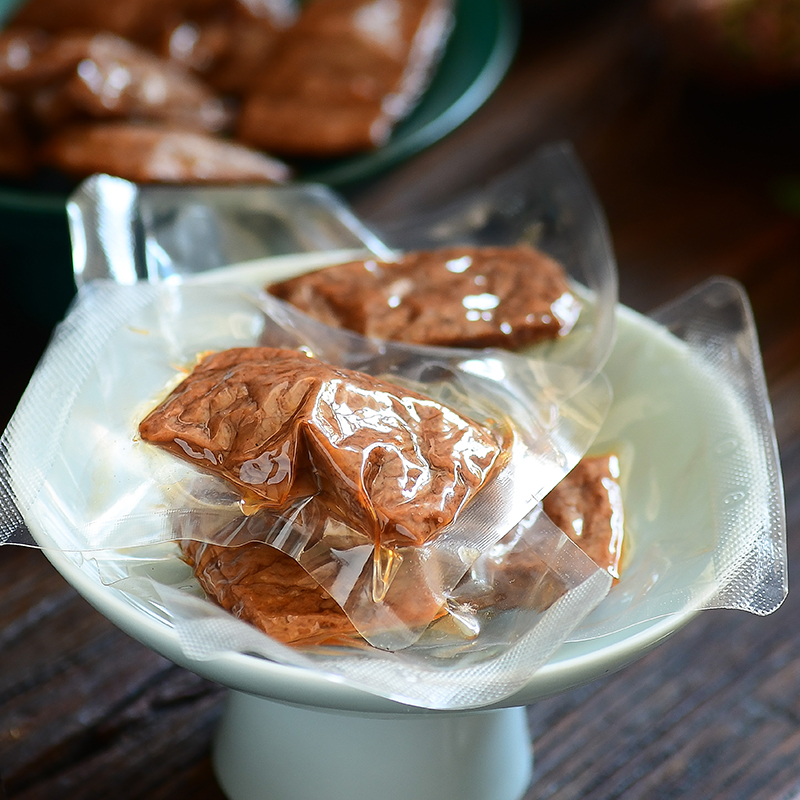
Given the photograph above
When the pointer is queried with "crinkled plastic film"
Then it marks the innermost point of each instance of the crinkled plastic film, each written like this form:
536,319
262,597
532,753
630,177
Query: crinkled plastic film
126,233
164,235
546,202
159,233
704,512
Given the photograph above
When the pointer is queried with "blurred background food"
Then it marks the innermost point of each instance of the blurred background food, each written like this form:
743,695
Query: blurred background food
155,92
330,78
152,91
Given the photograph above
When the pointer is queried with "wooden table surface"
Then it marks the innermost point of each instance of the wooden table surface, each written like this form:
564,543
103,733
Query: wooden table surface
694,183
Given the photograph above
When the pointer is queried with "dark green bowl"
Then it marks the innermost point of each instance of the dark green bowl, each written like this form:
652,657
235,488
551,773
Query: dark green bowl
35,256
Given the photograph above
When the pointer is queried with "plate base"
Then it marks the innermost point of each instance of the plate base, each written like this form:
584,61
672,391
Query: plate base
271,751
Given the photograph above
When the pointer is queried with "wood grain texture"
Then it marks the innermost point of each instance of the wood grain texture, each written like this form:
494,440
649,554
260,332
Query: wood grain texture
690,178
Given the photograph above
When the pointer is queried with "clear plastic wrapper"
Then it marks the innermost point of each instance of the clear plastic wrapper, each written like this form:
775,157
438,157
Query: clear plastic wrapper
704,515
127,233
546,202
457,296
701,481
157,233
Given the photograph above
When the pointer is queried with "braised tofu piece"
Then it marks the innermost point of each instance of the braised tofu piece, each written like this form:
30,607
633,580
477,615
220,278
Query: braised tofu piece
458,296
587,506
75,75
153,154
226,42
343,75
280,426
269,589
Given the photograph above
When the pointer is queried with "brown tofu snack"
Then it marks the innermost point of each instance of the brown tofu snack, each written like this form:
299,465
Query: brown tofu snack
155,154
133,19
587,506
458,296
102,76
343,75
269,589
238,544
280,426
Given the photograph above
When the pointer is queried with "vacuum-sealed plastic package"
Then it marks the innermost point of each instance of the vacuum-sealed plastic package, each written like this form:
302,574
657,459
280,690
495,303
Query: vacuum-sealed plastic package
159,233
546,203
457,296
455,613
473,656
349,469
701,490
515,437
124,346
